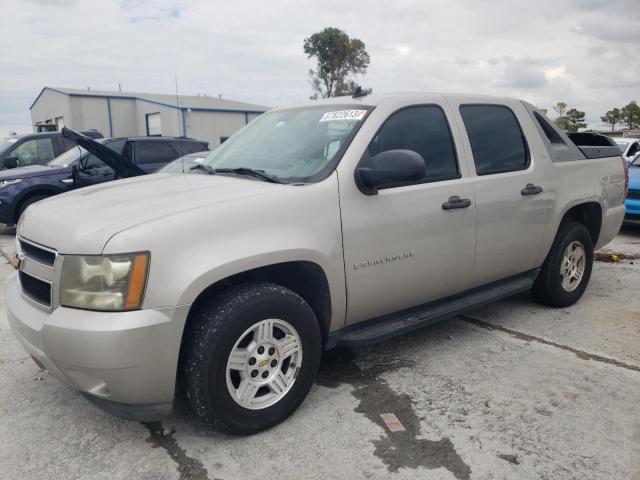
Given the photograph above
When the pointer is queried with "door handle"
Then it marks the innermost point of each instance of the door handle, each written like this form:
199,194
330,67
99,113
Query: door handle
456,202
531,189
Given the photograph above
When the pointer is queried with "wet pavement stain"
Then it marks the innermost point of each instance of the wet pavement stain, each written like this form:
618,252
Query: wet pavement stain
189,468
397,449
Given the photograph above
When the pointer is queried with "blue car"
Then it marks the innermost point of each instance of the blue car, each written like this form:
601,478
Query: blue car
92,162
633,197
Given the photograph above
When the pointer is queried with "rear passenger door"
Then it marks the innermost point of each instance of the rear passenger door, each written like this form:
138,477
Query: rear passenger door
150,155
509,186
403,247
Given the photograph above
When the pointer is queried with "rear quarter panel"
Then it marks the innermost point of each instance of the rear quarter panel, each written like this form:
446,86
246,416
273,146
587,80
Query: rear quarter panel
581,181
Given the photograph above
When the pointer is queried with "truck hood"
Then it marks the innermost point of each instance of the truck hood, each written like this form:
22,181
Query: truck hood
27,172
83,220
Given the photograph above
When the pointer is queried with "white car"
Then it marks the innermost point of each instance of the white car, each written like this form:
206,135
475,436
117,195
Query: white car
628,146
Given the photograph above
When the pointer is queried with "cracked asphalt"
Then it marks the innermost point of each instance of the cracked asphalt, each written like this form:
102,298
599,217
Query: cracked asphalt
511,391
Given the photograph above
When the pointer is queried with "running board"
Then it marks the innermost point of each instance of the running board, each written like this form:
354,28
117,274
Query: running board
388,326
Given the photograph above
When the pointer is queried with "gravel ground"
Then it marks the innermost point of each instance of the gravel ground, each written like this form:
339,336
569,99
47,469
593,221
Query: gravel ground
511,391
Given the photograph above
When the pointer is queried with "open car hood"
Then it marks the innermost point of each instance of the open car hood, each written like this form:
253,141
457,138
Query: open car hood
123,167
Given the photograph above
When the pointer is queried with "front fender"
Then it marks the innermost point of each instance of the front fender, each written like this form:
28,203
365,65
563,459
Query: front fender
195,249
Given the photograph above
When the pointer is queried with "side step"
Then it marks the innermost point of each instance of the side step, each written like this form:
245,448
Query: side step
388,326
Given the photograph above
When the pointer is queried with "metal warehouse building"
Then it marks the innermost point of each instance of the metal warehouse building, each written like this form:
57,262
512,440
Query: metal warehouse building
119,114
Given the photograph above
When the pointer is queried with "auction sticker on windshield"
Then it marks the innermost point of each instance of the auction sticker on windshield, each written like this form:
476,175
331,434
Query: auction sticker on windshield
343,115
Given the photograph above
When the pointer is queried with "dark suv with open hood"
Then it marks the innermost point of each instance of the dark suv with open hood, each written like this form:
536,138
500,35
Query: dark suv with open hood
92,162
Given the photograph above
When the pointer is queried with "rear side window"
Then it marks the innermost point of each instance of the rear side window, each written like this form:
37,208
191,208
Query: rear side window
552,135
497,142
154,152
423,129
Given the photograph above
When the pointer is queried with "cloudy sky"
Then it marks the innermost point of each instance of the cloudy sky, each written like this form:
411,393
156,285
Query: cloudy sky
583,52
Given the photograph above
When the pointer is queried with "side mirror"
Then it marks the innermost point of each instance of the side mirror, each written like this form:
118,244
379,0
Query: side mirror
393,167
10,162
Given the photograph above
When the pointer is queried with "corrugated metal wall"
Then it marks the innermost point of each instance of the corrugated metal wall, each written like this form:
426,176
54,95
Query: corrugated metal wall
123,118
90,113
51,105
128,117
168,118
211,126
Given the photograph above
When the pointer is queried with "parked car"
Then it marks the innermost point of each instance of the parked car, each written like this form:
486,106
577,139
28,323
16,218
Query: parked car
36,148
21,187
628,146
342,221
632,202
184,164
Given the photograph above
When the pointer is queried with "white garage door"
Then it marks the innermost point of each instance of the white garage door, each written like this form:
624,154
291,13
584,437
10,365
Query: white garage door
154,125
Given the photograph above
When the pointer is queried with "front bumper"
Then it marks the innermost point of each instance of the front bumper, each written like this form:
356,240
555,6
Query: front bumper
124,362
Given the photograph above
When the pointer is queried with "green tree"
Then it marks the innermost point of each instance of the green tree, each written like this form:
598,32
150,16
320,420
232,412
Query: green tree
631,115
560,108
612,117
338,57
576,120
563,123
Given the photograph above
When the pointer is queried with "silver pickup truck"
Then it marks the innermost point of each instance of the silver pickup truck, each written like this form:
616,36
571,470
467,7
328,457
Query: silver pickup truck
339,222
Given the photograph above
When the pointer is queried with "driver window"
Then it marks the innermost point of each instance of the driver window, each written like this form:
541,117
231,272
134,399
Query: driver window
424,130
34,152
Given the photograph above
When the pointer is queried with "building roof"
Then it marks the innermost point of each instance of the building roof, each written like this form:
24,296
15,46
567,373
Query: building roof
193,102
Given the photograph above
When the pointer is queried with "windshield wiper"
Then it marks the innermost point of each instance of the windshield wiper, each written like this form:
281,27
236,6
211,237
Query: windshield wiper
251,172
206,168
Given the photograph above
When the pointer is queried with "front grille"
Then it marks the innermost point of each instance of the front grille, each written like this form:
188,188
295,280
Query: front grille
635,194
35,288
635,217
40,255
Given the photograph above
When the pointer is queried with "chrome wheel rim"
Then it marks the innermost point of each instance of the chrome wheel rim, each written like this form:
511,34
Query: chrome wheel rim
263,364
572,267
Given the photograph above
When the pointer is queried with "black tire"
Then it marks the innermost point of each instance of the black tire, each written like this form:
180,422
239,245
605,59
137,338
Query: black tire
548,287
210,337
28,201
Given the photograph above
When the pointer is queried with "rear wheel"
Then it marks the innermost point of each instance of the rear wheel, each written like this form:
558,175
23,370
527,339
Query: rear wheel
250,357
567,269
28,201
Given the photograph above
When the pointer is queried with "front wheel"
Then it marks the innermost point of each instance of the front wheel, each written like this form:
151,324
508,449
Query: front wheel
567,269
250,357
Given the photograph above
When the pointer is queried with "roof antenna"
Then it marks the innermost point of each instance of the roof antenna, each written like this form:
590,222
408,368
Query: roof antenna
184,127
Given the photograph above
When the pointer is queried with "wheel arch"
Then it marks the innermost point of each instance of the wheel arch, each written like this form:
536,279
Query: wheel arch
27,194
588,214
305,278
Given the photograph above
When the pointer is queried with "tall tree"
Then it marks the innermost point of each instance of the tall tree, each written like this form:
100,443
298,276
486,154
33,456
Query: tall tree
612,117
576,120
338,57
560,108
631,114
563,123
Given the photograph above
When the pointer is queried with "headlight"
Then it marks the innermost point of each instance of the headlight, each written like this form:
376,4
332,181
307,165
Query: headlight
6,183
104,282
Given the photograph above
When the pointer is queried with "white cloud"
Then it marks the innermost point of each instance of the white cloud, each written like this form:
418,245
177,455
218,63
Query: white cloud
581,51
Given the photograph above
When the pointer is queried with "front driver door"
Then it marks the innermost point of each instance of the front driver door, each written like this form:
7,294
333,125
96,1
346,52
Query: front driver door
93,171
401,247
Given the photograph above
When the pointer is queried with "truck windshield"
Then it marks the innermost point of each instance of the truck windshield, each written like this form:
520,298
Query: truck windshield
67,158
291,145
